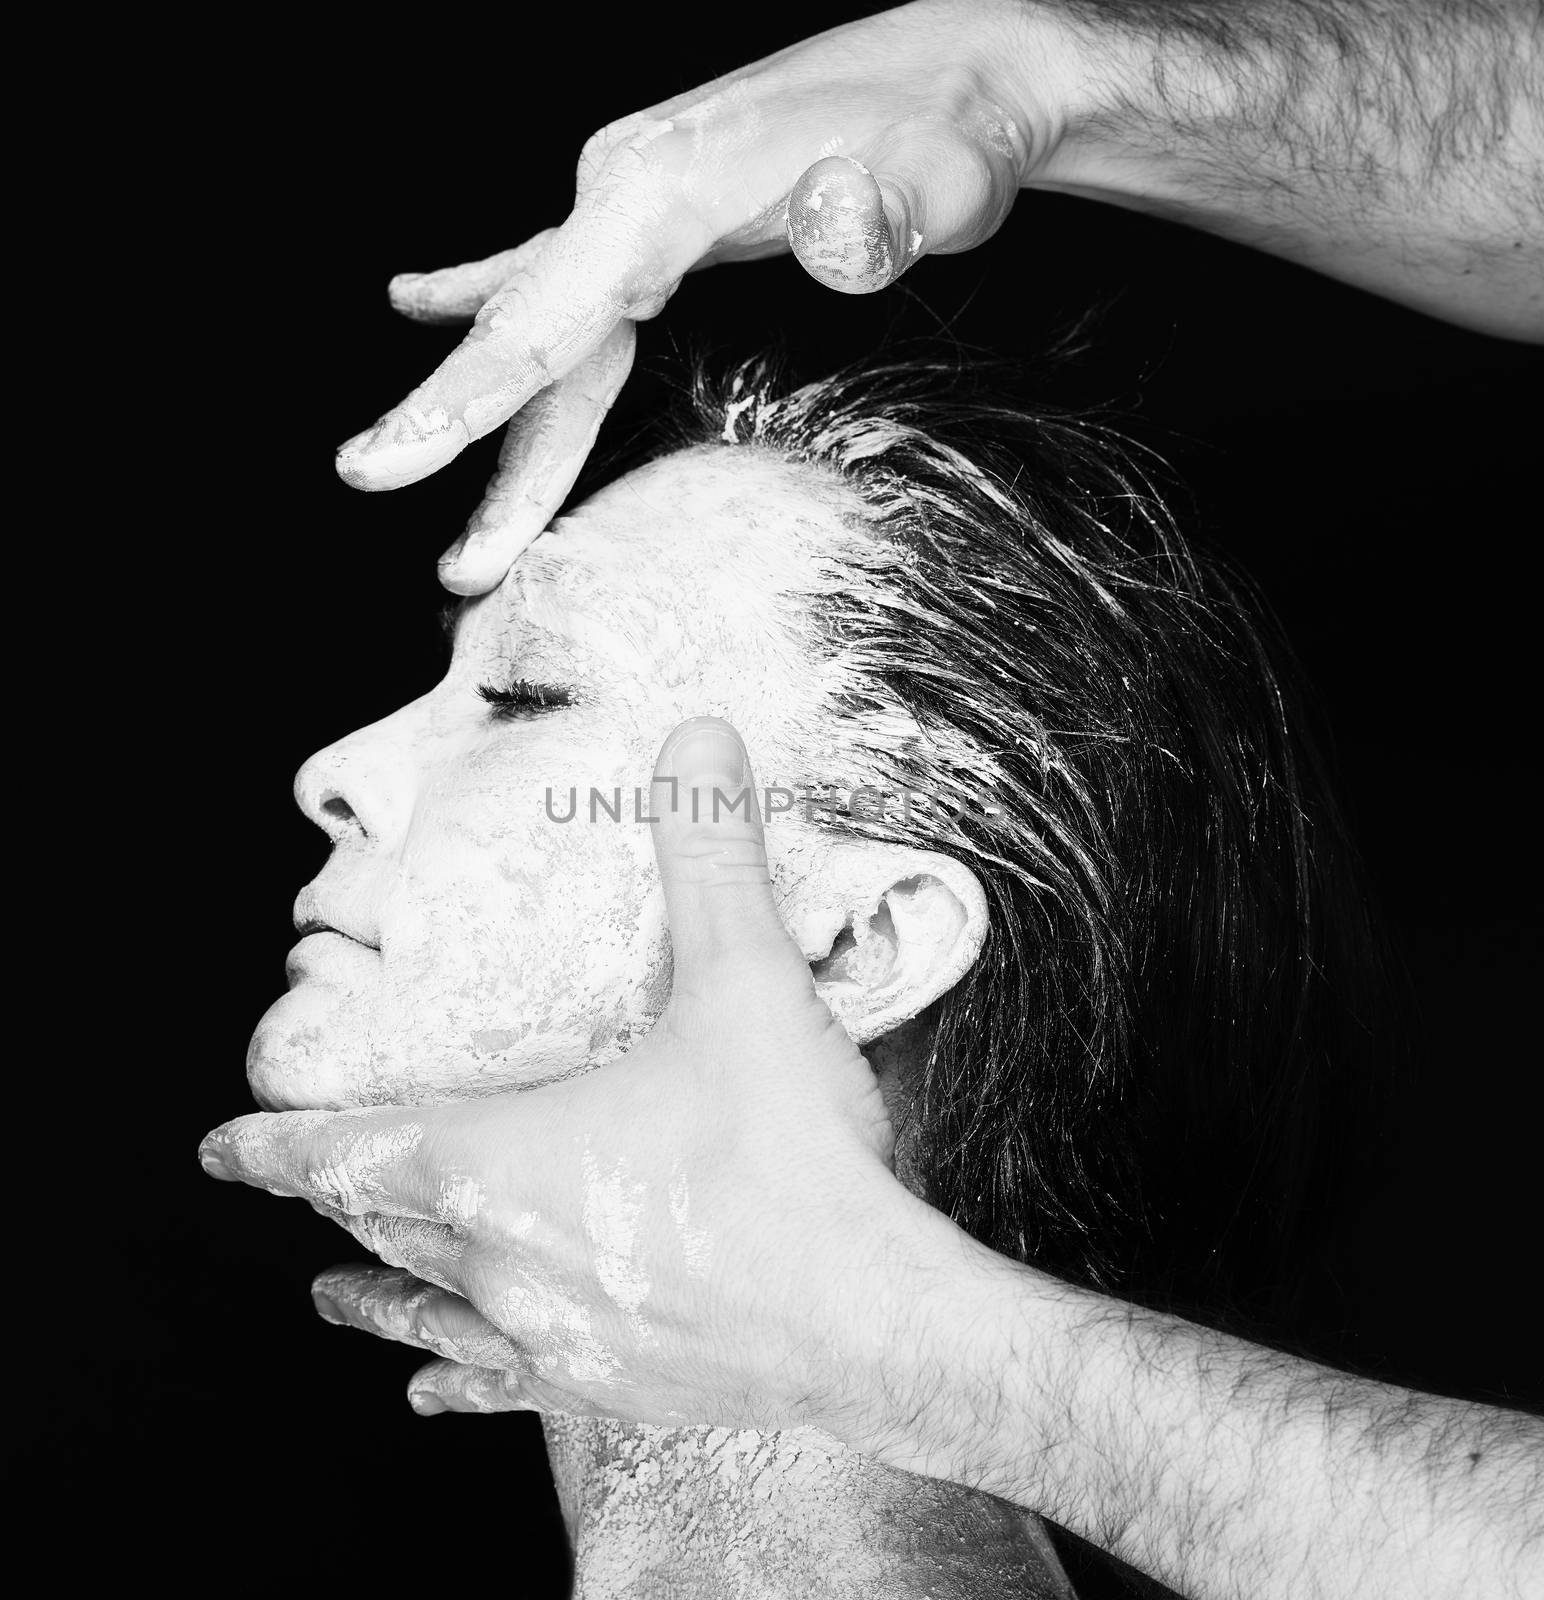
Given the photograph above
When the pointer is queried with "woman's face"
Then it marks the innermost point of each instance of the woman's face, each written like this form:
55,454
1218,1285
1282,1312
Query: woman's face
460,940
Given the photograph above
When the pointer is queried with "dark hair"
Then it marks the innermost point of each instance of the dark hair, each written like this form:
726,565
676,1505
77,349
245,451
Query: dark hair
1140,1082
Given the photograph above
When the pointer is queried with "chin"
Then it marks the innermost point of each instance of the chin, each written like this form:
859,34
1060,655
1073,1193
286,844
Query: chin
301,1059
315,1049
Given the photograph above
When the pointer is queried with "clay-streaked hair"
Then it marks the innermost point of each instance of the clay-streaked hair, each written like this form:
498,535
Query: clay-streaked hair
1140,1081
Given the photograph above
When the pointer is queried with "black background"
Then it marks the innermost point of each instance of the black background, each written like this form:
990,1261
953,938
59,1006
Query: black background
1375,470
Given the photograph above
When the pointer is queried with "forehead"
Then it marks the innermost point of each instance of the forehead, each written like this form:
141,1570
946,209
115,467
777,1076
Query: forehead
713,549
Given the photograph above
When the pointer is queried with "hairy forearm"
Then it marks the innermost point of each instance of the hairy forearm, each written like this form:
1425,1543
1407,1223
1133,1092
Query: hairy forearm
1219,1467
1397,144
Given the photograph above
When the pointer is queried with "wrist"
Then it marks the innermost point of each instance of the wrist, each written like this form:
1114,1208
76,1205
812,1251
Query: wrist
1068,80
1030,66
1001,70
1104,92
962,1347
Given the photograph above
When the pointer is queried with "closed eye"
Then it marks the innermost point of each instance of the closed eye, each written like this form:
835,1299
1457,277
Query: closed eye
522,698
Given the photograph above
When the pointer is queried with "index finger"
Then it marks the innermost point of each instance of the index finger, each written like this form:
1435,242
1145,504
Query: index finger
353,1161
544,451
609,260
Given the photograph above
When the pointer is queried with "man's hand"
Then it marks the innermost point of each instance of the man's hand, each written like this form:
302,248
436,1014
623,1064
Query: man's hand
865,148
1398,147
706,1230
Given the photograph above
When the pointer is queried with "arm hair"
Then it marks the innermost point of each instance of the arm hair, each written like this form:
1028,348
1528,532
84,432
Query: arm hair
1223,1469
1396,144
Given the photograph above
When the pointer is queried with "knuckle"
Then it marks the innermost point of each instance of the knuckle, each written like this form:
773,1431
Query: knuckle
510,306
412,1307
643,300
428,1336
325,1174
329,1183
484,1282
352,1166
488,1390
504,1391
632,146
716,859
957,90
385,1237
593,153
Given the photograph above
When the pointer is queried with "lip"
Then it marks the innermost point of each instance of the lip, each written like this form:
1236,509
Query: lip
324,955
314,925
340,903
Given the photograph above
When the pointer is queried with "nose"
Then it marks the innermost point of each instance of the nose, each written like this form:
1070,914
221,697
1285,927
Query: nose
360,790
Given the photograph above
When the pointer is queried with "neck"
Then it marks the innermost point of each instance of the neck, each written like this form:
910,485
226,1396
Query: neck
725,1514
719,1514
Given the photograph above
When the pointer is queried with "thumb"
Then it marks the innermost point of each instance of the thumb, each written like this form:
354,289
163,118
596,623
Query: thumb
712,857
933,187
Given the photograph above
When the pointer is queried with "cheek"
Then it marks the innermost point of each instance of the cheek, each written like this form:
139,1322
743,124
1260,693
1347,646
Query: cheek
517,944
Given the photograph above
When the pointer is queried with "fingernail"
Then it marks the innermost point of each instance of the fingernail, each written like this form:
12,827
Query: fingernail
210,1159
359,443
708,752
461,571
453,553
425,1403
327,1310
402,448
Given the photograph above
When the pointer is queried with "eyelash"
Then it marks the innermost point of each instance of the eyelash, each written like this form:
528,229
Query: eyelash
523,699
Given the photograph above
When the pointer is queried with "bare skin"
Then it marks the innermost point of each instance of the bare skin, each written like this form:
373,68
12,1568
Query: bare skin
837,1299
459,939
1397,146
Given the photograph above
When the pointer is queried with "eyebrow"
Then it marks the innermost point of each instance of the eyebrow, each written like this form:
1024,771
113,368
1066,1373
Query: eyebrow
452,611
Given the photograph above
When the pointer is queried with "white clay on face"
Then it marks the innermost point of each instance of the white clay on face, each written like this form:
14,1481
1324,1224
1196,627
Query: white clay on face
488,945
483,946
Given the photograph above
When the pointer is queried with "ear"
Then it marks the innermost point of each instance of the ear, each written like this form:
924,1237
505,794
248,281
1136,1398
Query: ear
887,930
